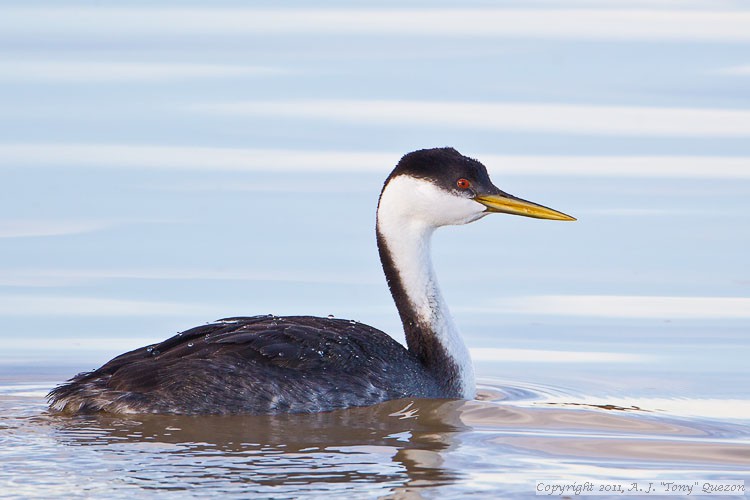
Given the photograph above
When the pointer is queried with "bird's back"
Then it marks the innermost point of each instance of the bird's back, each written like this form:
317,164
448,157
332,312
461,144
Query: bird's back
253,365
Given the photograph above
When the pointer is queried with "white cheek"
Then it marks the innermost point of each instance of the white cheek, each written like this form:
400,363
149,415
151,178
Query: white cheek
458,210
420,200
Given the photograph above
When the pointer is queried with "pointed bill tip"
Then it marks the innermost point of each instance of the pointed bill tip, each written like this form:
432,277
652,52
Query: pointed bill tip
507,204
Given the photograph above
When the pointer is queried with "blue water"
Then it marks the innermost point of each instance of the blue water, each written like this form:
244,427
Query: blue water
163,165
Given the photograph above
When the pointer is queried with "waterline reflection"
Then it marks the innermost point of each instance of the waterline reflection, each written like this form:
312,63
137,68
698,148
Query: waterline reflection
398,446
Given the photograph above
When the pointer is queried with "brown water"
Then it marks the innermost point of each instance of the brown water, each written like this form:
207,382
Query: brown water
496,446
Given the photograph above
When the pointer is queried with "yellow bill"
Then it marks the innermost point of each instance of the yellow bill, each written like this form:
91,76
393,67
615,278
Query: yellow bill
508,204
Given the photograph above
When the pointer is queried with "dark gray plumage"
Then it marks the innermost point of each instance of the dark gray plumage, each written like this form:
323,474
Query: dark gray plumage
253,365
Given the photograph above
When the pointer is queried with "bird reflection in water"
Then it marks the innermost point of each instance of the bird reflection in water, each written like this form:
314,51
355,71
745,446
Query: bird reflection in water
400,449
400,442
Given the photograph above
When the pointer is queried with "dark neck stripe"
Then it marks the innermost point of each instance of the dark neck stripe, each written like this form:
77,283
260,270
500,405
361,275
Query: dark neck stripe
420,338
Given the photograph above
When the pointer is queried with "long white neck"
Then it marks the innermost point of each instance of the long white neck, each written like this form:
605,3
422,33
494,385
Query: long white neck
404,237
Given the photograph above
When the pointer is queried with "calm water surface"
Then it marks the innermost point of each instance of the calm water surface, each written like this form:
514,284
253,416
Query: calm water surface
498,445
165,165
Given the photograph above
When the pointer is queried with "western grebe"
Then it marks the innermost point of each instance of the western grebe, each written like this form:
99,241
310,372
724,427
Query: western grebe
306,364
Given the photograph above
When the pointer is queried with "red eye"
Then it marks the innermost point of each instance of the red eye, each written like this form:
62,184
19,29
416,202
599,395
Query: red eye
463,183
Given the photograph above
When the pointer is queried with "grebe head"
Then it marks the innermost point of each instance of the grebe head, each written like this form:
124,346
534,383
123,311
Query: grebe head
440,187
